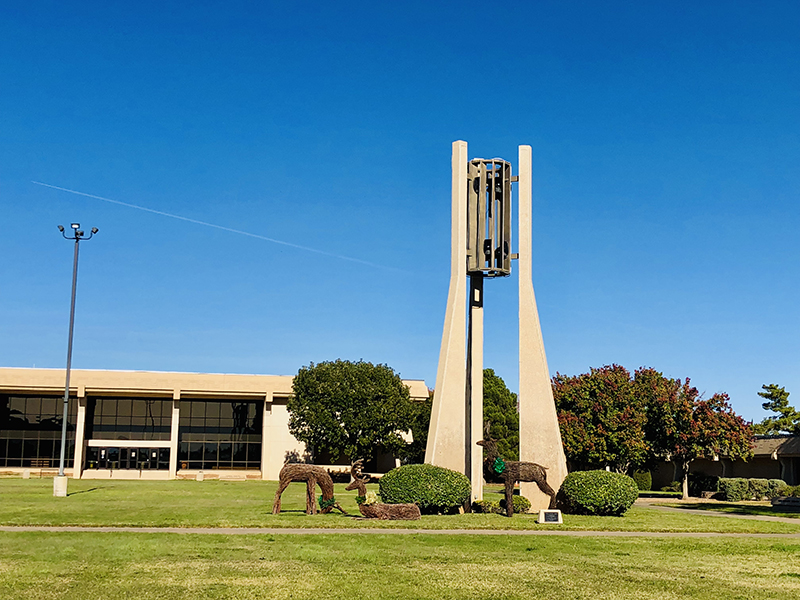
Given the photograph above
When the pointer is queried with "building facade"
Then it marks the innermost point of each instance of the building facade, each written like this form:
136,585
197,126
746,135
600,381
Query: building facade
150,425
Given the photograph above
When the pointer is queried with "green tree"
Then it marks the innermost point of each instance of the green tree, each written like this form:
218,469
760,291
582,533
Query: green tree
777,400
684,427
414,453
349,408
602,415
500,414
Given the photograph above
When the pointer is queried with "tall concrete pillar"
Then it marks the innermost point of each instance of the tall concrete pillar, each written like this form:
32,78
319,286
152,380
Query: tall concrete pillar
447,431
539,434
80,434
474,403
173,434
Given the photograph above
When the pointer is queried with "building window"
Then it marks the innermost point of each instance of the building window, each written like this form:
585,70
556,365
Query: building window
30,431
128,418
216,434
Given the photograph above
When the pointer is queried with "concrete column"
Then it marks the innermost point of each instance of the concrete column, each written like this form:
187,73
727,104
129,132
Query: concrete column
447,431
539,434
173,434
266,423
474,453
80,434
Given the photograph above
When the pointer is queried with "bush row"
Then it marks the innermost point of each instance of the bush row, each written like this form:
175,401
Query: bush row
736,489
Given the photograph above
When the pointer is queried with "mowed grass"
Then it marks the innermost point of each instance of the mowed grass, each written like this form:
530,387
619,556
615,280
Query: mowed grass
249,504
165,566
741,508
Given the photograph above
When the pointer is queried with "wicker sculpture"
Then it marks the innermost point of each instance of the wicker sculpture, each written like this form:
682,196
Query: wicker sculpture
394,512
313,476
513,471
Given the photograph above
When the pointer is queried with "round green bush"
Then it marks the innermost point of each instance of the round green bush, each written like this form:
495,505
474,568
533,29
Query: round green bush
644,480
433,489
597,493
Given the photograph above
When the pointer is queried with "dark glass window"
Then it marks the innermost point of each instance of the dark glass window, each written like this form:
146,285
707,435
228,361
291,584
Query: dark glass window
217,434
30,431
128,418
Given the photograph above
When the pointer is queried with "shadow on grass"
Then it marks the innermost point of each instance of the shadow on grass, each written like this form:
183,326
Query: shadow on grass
740,509
82,491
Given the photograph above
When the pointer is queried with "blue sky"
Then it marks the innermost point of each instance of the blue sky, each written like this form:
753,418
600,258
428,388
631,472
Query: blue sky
666,144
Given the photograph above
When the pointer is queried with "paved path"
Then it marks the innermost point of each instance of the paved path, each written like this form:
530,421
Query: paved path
310,531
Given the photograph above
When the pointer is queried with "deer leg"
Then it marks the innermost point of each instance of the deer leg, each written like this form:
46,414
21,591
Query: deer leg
311,502
545,487
276,505
510,497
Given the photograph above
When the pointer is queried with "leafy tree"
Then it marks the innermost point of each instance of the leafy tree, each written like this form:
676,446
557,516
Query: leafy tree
602,416
685,427
414,453
777,400
349,408
501,415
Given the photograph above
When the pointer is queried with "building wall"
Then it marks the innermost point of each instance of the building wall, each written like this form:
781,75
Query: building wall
269,392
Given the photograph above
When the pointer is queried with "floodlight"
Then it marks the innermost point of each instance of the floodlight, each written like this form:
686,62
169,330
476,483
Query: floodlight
61,228
75,225
94,230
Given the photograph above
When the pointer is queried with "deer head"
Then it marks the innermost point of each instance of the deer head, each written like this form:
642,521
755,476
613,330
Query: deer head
491,447
358,479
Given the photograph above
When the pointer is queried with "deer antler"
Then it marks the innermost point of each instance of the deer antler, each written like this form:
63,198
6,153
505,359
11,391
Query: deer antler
355,469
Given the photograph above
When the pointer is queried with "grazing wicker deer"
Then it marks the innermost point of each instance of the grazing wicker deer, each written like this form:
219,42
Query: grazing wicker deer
395,512
513,471
313,476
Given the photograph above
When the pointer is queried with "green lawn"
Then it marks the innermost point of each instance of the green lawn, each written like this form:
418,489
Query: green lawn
249,504
77,566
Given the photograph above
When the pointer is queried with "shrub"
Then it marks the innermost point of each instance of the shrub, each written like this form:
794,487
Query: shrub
486,506
734,489
644,480
433,489
521,504
597,493
757,489
700,482
777,487
675,486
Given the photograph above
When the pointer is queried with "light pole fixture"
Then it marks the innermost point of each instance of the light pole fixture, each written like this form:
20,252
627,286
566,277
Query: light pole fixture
60,482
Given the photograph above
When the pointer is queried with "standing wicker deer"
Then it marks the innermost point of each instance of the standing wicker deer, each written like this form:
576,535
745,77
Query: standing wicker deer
395,512
513,471
313,476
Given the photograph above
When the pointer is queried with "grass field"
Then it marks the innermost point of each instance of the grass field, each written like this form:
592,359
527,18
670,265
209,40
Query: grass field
249,504
78,566
93,565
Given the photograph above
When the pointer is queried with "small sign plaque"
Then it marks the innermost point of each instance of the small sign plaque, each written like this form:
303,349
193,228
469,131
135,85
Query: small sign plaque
550,517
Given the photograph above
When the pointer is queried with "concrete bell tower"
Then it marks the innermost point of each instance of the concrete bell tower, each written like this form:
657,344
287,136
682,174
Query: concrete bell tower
480,249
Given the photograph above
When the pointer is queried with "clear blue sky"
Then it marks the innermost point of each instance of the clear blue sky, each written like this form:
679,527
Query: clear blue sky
666,142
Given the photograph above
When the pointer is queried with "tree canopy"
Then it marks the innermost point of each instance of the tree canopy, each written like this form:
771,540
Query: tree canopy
602,415
777,400
349,408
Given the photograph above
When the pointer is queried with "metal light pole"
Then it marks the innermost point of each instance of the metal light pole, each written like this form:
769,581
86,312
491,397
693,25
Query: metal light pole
60,482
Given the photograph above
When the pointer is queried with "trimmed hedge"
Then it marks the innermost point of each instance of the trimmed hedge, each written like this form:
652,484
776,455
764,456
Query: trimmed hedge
597,493
733,489
737,489
521,505
433,489
644,480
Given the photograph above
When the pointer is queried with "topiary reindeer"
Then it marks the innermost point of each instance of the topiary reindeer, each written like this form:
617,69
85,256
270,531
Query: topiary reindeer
395,512
312,475
513,471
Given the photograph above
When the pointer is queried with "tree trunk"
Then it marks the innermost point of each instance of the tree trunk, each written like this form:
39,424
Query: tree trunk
685,481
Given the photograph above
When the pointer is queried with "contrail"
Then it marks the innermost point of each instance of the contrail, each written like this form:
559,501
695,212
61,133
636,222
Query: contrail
215,226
